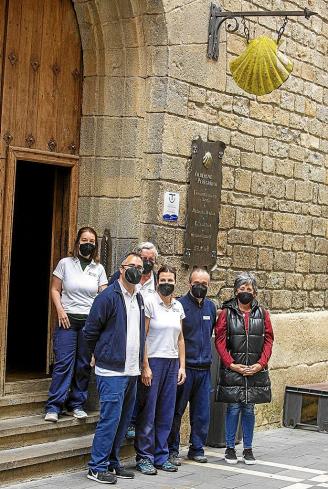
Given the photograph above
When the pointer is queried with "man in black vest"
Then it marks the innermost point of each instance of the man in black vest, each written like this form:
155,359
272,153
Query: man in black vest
243,339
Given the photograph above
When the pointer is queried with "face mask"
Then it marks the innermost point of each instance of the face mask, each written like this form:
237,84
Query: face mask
87,248
148,266
245,297
132,275
166,289
199,291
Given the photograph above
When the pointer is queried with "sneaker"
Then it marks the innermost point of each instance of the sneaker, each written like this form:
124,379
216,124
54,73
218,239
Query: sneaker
145,466
248,457
167,466
201,459
175,459
79,413
53,417
102,477
121,472
131,432
230,456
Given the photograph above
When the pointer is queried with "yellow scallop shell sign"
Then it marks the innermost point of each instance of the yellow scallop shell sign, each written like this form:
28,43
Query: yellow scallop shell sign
261,68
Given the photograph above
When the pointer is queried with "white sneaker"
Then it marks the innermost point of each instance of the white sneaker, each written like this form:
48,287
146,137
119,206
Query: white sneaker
53,417
79,413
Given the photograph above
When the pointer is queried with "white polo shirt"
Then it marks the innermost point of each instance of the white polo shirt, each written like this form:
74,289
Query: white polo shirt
148,287
132,366
79,287
164,327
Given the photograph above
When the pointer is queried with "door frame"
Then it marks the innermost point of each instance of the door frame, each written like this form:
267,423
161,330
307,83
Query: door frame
34,156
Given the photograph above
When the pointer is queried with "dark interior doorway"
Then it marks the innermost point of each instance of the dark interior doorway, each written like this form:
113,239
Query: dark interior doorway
30,273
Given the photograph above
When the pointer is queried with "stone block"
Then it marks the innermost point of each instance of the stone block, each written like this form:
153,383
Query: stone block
155,30
253,128
109,136
241,107
86,168
217,100
243,180
230,121
88,136
228,179
182,32
198,95
278,149
304,191
323,194
134,95
261,112
294,281
262,146
251,160
237,236
231,156
217,133
227,217
265,259
156,61
154,123
284,261
247,218
202,113
303,262
244,257
319,227
243,141
321,246
177,97
318,264
281,116
285,168
268,185
281,300
316,299
132,137
266,220
179,133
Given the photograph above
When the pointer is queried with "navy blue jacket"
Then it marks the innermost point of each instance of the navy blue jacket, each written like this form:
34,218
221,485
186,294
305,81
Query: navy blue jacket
105,329
197,330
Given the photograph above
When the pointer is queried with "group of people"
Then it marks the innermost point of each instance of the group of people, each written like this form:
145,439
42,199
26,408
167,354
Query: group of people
152,356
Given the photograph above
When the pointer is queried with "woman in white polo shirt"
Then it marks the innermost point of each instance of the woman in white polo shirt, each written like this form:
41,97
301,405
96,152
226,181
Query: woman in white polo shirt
163,370
76,282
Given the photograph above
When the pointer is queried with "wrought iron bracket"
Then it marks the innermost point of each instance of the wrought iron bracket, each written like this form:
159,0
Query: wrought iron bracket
219,16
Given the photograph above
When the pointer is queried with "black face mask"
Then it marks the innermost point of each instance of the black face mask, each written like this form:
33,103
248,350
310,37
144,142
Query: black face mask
166,289
87,248
245,297
148,266
133,275
199,291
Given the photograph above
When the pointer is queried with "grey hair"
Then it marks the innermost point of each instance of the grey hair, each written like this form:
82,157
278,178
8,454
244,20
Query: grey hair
244,278
147,245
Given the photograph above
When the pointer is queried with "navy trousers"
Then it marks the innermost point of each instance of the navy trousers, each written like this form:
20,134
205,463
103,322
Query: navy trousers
71,372
117,397
156,411
196,390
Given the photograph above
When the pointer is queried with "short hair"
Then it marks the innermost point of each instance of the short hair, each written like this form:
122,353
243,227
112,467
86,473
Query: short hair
244,278
167,269
131,253
76,247
198,270
146,245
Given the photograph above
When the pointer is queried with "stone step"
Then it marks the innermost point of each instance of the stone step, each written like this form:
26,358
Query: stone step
32,430
18,464
28,386
17,405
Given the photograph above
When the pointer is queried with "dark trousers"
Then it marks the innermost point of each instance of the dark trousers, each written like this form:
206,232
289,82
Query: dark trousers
156,411
196,390
117,396
71,372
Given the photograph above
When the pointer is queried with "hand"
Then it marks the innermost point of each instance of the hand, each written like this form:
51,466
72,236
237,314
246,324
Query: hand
181,376
63,319
238,367
93,361
252,369
146,376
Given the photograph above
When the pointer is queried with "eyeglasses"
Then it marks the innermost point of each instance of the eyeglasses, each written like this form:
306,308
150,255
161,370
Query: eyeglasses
139,267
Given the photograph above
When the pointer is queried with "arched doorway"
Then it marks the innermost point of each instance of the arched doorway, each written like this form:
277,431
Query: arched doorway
40,102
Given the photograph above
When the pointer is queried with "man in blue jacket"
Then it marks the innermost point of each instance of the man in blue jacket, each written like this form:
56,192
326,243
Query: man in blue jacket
197,331
115,333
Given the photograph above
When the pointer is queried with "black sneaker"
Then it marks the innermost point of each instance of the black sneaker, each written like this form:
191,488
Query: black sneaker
201,459
175,459
102,477
121,472
167,467
248,457
230,456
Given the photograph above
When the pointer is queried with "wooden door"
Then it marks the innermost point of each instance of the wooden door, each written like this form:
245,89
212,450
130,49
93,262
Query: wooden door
40,108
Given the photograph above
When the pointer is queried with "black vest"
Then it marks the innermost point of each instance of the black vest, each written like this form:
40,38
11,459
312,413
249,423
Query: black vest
245,348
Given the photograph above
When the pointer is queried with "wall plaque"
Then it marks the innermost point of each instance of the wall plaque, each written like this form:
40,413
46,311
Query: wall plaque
204,194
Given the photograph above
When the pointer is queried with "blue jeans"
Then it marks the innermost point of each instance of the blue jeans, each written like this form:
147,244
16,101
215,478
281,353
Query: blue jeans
71,372
117,397
247,423
156,410
196,390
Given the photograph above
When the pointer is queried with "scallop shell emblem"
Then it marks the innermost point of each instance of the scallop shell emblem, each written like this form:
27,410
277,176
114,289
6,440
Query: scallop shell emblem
207,159
261,68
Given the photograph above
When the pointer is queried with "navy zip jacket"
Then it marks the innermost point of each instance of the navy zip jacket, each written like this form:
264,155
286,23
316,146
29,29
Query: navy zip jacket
105,329
197,330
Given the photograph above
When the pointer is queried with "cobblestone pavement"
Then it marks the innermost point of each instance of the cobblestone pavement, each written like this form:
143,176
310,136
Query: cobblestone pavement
286,459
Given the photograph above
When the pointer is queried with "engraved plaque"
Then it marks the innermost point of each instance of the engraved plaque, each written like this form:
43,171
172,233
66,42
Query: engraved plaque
204,194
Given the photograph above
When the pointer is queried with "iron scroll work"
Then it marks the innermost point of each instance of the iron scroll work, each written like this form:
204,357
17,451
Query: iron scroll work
203,201
219,16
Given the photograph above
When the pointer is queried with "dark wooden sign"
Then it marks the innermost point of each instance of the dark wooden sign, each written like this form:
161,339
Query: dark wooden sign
202,220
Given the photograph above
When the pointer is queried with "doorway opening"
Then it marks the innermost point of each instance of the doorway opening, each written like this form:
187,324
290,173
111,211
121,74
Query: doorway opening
32,253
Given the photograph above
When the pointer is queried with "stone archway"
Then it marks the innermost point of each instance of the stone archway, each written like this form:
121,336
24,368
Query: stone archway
125,68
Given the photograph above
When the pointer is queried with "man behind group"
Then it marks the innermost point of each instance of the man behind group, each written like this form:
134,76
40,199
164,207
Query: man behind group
115,333
197,330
